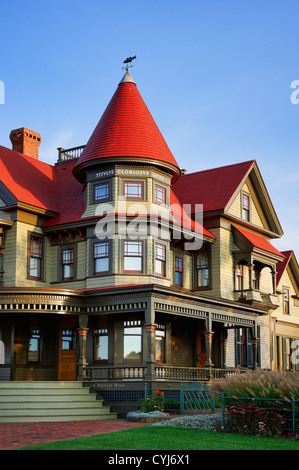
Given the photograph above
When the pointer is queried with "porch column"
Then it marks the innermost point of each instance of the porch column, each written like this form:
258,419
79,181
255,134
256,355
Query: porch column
208,334
82,331
224,347
250,271
274,275
150,340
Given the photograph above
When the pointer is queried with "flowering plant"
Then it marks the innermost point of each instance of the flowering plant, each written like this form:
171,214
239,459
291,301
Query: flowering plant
248,419
153,403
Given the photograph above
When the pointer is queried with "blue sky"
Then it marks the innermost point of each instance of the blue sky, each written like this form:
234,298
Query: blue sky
216,76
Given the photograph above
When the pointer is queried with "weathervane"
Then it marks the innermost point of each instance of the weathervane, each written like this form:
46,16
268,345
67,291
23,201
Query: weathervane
127,61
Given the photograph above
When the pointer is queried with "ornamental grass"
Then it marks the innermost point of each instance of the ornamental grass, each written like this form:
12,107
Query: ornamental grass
259,383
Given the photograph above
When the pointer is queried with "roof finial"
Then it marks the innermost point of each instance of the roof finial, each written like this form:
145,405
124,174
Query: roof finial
127,61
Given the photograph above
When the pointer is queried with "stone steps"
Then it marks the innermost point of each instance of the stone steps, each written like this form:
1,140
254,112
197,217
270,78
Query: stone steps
50,401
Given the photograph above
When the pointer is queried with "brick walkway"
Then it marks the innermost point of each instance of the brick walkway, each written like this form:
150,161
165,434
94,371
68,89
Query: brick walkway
14,435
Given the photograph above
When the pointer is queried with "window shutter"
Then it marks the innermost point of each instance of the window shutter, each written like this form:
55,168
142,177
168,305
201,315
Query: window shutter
284,353
249,348
259,346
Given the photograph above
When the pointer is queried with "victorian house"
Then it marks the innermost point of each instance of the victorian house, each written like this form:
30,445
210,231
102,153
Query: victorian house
118,268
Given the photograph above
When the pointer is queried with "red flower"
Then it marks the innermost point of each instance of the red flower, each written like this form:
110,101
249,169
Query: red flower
157,391
162,393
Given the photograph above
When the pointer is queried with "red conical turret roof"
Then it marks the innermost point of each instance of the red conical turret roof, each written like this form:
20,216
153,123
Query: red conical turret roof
127,129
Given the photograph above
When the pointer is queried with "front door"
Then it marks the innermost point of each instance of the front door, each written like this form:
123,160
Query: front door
67,349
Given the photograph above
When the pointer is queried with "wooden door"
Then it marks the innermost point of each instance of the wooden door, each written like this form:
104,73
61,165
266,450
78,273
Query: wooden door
67,350
201,355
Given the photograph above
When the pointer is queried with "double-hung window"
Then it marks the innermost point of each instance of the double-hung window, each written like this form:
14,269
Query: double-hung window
202,269
132,346
133,256
67,264
178,275
245,207
36,257
100,345
101,257
160,259
286,300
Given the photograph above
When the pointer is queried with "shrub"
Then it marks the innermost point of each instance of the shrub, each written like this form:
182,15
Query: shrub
249,420
153,403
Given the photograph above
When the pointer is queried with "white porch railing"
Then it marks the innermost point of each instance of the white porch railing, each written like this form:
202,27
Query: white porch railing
162,372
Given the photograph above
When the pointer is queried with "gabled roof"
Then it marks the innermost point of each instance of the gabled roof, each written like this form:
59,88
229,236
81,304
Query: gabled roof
213,188
126,129
28,180
291,261
217,188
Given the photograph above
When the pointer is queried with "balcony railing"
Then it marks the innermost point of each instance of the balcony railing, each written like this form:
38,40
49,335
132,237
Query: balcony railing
162,372
73,153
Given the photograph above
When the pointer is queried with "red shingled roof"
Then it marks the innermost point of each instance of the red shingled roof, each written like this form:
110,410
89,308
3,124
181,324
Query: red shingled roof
69,195
212,188
126,129
258,241
183,219
30,181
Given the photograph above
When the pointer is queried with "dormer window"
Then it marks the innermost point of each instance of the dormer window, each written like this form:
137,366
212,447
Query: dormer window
246,207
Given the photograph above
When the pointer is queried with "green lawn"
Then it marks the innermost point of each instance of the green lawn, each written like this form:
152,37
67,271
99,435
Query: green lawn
168,438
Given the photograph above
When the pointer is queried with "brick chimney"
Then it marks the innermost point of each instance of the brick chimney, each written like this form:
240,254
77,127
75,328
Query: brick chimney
25,141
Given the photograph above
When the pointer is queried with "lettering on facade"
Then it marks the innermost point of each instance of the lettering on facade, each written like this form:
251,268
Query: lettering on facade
104,174
132,172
